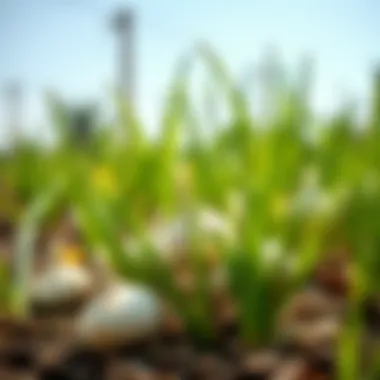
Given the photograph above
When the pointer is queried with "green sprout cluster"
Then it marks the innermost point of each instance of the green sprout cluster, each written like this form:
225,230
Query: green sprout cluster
292,187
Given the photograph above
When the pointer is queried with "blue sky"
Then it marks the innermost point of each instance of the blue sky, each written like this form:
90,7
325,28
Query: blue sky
67,45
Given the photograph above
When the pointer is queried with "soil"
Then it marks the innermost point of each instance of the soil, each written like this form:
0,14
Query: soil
45,347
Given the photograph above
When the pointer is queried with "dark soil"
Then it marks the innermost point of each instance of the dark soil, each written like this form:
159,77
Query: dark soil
46,350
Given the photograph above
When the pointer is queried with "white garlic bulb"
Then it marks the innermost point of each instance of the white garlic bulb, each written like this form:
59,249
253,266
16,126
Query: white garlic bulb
61,284
122,313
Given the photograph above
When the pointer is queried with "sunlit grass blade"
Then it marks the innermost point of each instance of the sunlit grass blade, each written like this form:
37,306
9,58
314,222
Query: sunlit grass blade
29,229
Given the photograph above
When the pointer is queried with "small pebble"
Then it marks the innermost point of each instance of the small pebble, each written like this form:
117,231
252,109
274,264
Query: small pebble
211,367
121,370
258,365
291,369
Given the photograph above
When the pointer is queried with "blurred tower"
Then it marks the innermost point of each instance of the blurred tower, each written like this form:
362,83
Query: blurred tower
13,99
123,24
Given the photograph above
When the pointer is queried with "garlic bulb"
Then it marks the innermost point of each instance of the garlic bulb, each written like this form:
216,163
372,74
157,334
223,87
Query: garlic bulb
123,312
61,284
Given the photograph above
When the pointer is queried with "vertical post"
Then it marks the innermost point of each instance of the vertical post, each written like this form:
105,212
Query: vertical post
124,27
13,97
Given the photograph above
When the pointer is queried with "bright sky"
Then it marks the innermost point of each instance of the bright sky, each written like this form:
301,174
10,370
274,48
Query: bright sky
67,45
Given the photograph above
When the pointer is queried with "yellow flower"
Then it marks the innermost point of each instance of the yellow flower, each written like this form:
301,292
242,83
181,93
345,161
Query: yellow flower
71,255
104,181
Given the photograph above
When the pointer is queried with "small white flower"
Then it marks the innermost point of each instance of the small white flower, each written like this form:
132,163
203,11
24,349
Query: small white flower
313,200
170,236
212,223
167,236
271,251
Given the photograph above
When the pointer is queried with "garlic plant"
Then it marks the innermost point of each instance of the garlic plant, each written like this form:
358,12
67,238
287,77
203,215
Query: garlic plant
275,202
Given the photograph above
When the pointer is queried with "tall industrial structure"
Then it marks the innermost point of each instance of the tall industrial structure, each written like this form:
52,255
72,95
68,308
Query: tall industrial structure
124,25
